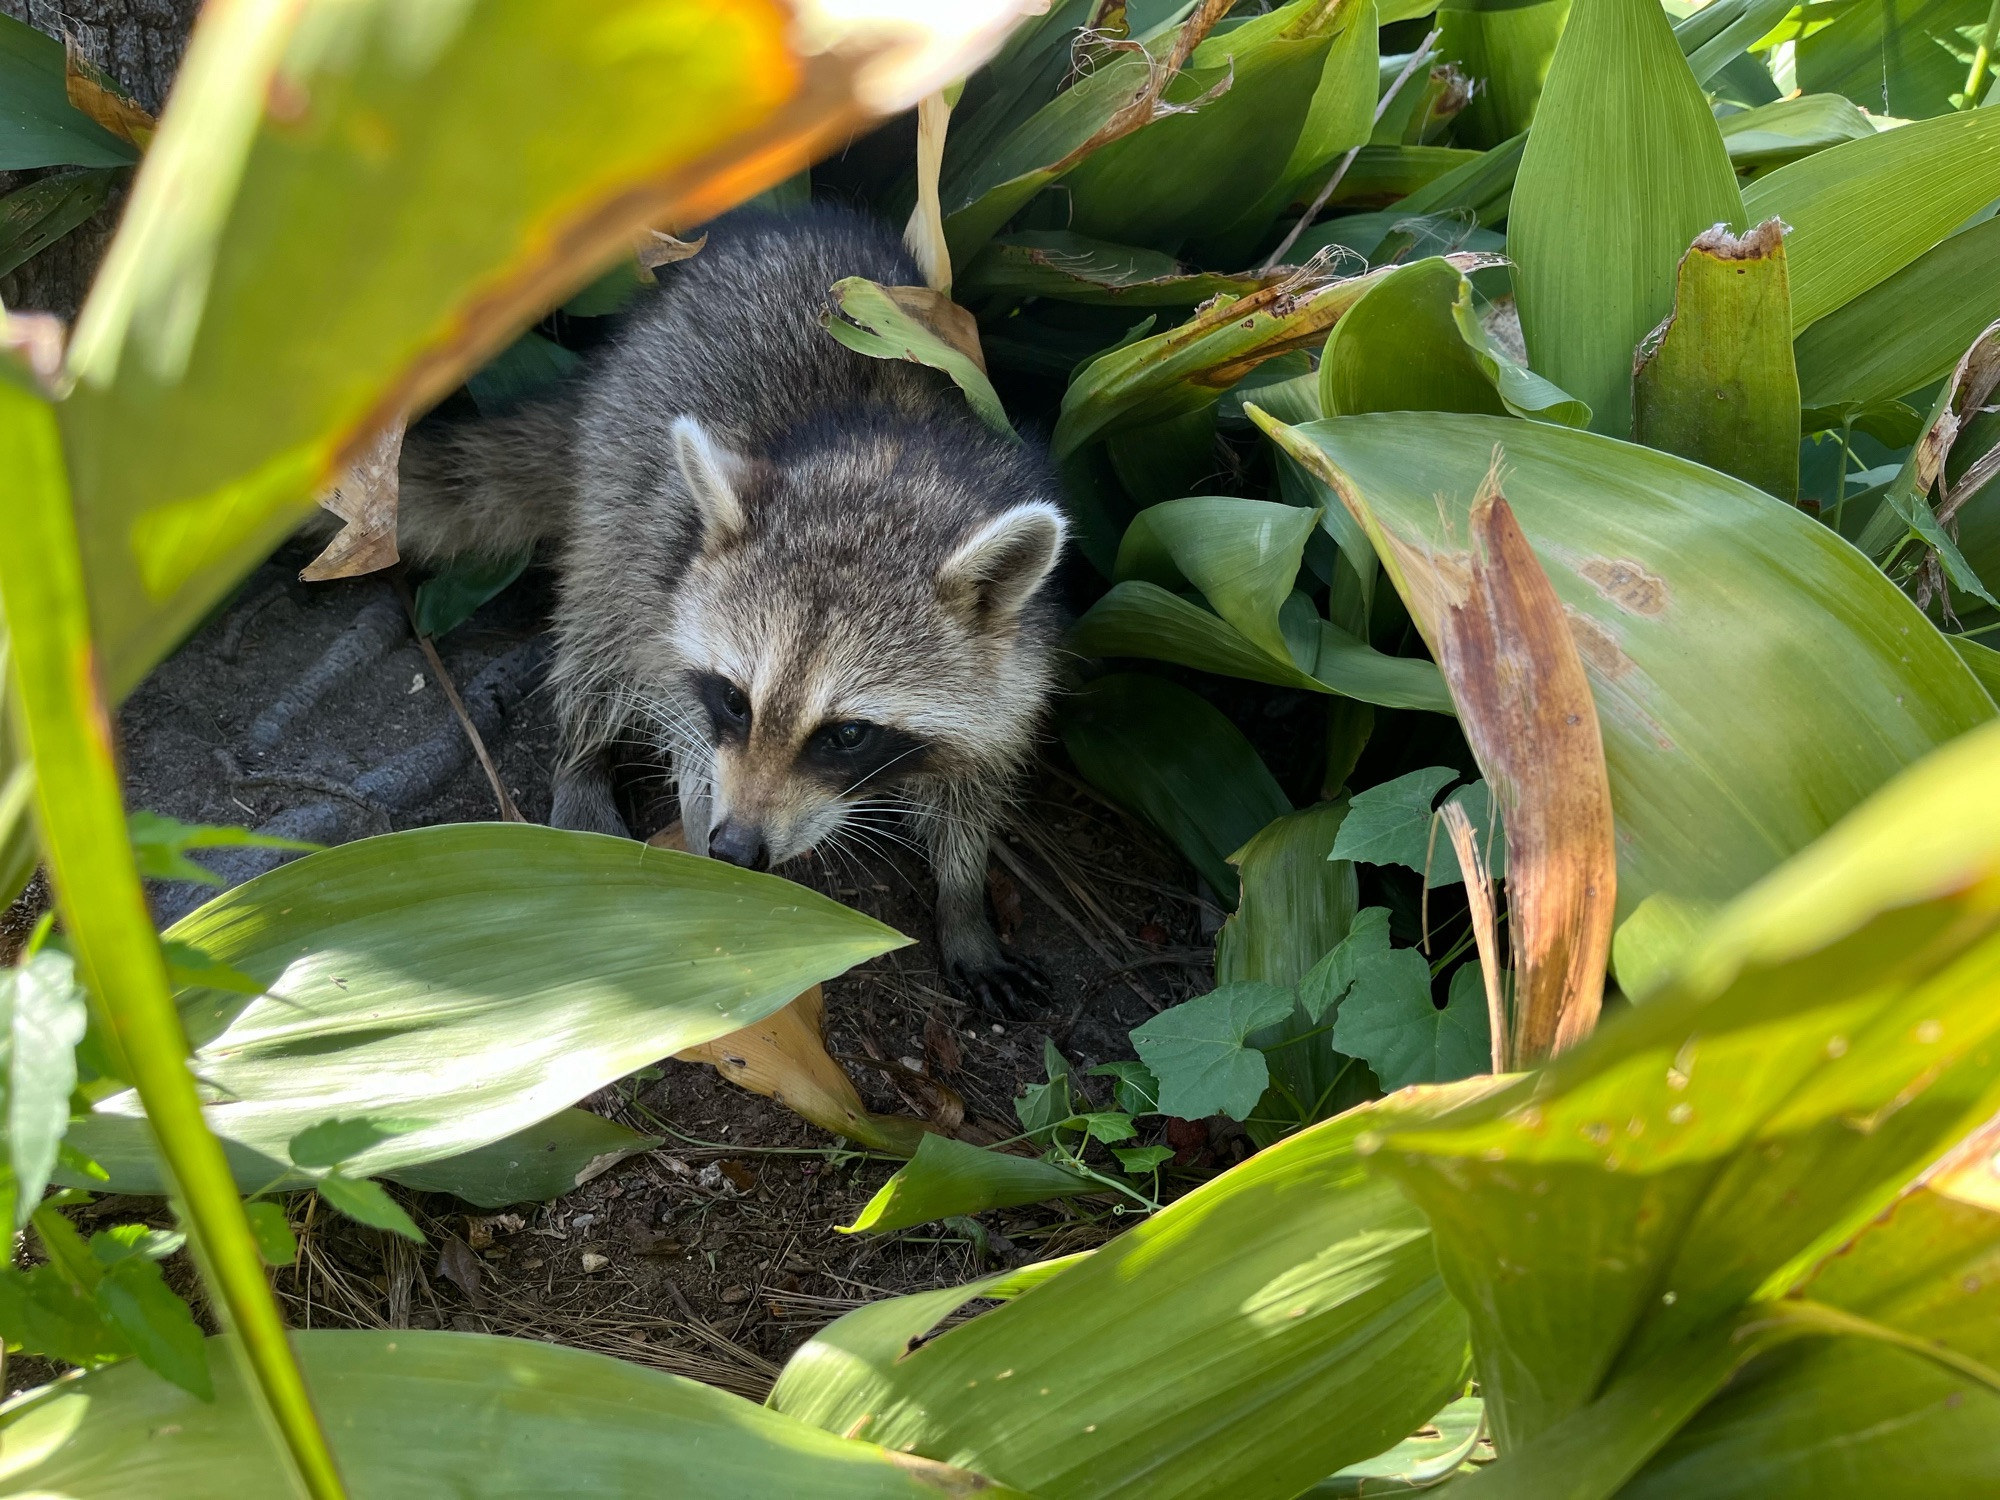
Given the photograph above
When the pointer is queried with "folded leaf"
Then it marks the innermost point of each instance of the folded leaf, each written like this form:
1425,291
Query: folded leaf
948,1177
891,323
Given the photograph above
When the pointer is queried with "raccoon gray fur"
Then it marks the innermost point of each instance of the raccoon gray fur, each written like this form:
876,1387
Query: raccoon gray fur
814,580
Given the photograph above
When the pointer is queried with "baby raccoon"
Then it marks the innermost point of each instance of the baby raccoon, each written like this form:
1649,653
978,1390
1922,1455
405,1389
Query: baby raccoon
812,579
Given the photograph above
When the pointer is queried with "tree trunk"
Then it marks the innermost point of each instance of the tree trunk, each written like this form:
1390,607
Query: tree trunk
139,43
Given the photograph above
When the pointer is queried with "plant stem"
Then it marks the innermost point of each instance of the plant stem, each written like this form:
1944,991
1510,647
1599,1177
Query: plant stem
68,734
1982,59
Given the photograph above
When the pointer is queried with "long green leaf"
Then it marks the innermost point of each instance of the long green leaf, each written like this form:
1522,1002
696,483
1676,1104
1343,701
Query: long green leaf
1187,1358
549,963
1506,51
35,217
82,818
1686,590
1623,169
1662,1173
1862,211
1903,58
868,320
1716,382
1773,134
451,1414
948,1177
1061,264
1905,332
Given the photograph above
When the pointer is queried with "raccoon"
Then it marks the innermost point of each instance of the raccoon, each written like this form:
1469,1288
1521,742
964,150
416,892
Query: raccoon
812,579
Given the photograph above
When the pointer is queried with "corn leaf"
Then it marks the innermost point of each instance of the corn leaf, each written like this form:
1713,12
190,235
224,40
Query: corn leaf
1173,758
450,1413
1773,134
1662,1173
1260,1363
1414,343
563,961
1506,51
1716,382
1905,332
1904,58
1059,263
1624,168
1861,211
1685,589
36,216
870,319
39,127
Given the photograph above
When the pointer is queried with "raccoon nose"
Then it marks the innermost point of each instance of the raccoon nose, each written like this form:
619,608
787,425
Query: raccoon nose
737,843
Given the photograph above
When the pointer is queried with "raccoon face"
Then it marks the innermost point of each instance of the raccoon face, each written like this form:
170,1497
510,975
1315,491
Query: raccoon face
838,650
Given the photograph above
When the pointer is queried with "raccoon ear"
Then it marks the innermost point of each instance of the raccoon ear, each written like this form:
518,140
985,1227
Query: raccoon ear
995,570
715,476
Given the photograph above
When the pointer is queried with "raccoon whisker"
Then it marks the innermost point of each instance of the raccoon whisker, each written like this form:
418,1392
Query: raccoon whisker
883,831
877,771
840,836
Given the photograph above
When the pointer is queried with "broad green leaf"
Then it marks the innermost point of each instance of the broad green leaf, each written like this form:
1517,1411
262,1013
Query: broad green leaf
948,1177
1773,134
1172,757
1687,589
1198,1049
332,1142
1393,1026
867,319
1185,1359
1243,555
273,1229
448,598
1904,58
1133,1086
529,367
1623,169
1905,332
1392,823
1506,52
1297,904
1418,1462
160,844
367,1203
1983,659
1700,1145
36,216
1220,171
42,1018
1414,343
1062,264
531,1166
137,1301
39,127
1715,382
1142,619
1141,1159
110,1246
1650,943
1046,1105
560,961
403,199
41,1312
190,968
1861,211
422,1413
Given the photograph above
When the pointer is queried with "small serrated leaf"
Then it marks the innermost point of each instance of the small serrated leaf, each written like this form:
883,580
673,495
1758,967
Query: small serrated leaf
1133,1087
1107,1126
332,1142
1138,1159
367,1203
135,1299
275,1241
1197,1049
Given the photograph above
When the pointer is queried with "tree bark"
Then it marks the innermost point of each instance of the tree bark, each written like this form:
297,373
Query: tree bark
139,44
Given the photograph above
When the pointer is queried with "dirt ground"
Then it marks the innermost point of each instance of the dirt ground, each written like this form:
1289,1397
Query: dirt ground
716,1254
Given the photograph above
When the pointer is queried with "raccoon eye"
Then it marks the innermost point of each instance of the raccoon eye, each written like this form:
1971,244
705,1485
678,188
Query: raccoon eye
733,702
849,736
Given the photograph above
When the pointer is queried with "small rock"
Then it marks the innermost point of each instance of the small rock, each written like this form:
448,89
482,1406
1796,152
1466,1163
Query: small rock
1153,933
417,683
593,1262
735,1294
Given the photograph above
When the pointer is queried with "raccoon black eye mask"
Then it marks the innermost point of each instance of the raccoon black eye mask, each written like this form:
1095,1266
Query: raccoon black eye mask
812,579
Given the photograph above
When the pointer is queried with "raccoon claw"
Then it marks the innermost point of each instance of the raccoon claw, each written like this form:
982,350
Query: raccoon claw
1008,988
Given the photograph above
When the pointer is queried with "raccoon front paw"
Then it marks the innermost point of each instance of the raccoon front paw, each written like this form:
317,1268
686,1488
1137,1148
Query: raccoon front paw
1005,987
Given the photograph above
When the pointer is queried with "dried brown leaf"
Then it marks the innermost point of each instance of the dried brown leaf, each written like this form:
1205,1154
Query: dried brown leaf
365,499
924,234
655,249
92,92
1505,648
458,1265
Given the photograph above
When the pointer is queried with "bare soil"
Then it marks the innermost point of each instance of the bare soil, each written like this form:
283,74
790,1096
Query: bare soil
717,1253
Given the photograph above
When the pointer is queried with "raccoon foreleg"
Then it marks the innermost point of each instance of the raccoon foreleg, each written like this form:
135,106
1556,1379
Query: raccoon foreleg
960,837
583,799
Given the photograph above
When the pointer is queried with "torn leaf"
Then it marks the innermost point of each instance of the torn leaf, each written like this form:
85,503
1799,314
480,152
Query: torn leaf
365,498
